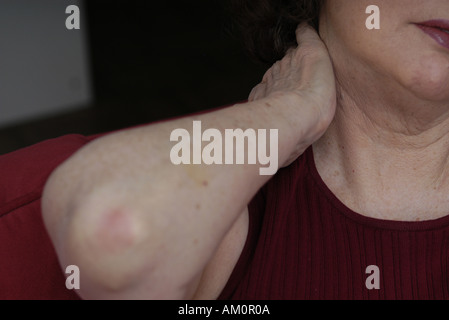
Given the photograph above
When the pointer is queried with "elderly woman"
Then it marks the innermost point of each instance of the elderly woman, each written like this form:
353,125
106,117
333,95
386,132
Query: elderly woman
359,209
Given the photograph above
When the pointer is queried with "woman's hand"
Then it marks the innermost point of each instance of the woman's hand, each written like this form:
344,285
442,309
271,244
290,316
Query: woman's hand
304,77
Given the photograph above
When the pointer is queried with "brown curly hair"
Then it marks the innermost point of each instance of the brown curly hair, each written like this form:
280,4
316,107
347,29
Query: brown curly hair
267,27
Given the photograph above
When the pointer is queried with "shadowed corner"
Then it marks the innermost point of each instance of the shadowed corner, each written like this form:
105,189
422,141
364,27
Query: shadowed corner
129,63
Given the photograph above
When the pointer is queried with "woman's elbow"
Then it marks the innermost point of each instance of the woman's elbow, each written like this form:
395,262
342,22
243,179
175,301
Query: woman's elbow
100,240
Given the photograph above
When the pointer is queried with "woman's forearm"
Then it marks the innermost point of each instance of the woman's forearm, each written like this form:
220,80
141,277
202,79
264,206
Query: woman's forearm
121,211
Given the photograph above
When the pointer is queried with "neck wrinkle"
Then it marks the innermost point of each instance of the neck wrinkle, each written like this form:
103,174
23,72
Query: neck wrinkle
367,158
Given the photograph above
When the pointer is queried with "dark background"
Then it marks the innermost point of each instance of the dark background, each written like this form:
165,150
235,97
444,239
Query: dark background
150,61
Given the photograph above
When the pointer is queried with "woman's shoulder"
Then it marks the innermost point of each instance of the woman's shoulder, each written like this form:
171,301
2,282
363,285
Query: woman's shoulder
287,178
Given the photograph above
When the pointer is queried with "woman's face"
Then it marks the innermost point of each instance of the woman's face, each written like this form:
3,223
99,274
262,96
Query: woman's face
399,53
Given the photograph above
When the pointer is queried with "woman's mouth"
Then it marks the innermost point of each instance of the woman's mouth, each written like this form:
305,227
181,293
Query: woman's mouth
438,30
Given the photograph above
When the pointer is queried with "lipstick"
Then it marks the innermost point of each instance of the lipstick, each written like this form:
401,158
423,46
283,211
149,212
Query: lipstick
436,29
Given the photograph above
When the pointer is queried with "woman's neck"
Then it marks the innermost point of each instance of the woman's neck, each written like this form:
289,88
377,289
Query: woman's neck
386,162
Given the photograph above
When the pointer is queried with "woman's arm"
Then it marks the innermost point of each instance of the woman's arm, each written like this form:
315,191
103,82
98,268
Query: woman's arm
139,226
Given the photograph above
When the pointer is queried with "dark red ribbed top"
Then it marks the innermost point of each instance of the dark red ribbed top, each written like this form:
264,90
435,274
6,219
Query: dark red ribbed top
304,243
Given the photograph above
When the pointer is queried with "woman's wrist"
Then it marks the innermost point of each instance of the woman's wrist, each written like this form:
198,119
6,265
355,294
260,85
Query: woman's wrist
296,119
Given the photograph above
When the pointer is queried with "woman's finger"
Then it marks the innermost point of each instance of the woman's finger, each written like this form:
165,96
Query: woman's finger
257,92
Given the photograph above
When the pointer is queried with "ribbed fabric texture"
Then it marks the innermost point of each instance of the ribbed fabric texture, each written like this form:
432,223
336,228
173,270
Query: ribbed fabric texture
304,243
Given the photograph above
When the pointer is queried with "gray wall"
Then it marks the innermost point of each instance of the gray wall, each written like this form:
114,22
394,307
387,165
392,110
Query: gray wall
44,68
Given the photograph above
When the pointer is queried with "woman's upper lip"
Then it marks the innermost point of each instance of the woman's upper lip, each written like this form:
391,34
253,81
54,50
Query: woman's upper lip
438,23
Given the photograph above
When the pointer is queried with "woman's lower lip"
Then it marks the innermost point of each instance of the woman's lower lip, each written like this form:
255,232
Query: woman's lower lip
441,37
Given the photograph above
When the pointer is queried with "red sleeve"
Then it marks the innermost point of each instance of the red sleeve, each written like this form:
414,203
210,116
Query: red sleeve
29,268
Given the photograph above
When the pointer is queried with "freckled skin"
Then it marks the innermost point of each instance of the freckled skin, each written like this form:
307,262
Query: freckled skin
196,174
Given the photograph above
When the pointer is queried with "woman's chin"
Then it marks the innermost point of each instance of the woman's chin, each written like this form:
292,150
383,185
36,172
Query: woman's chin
429,79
